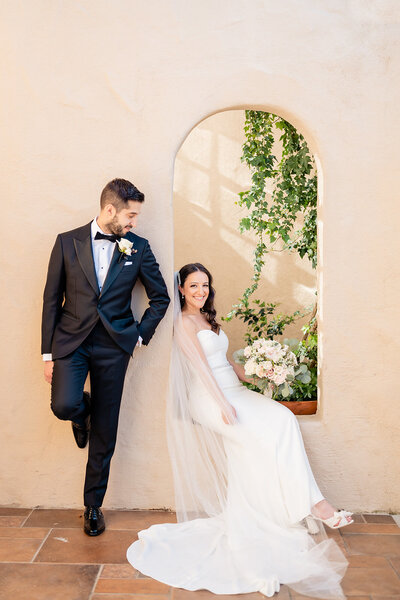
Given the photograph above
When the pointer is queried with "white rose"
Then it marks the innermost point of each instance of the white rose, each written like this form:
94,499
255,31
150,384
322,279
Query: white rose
280,374
250,367
278,355
260,371
279,370
125,246
268,343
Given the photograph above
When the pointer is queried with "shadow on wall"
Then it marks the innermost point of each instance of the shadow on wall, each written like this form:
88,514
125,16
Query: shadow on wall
208,177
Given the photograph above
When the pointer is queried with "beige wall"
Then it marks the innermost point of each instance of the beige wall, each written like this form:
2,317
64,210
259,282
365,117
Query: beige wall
207,180
94,90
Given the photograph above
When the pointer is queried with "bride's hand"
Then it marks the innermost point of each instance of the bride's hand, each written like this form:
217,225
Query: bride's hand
224,417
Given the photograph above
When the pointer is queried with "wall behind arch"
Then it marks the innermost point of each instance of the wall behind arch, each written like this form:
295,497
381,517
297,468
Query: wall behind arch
92,91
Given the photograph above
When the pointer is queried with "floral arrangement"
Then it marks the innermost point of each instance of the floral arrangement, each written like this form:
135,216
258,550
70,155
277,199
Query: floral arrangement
272,366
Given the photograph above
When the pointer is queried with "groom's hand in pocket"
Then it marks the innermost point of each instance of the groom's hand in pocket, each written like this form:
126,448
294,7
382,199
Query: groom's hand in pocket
48,370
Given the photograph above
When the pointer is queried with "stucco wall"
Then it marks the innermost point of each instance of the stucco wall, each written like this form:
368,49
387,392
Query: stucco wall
93,90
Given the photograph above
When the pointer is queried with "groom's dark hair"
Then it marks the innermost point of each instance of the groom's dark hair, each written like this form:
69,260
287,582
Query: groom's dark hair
118,192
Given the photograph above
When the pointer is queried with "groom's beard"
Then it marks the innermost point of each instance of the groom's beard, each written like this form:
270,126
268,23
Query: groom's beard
116,228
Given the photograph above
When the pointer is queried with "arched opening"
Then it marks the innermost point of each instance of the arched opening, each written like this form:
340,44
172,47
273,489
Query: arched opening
211,174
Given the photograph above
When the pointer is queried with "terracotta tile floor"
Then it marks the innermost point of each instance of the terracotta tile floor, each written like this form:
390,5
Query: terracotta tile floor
44,555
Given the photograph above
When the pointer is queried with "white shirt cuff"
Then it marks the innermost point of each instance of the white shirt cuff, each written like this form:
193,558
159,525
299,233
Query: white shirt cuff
139,342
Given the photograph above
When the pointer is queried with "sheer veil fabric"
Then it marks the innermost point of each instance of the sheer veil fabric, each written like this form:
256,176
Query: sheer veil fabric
243,487
197,452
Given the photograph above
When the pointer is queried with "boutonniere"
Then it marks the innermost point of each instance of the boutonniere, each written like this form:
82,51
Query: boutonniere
126,248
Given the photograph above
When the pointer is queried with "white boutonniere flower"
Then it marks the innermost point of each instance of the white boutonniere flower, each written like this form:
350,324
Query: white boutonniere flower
126,248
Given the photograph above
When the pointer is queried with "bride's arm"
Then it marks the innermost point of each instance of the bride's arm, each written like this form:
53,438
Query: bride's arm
191,329
239,370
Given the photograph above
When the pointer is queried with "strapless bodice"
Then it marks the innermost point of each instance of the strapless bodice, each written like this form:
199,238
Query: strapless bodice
215,347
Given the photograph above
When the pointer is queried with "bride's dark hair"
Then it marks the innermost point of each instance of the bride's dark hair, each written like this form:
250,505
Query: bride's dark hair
208,308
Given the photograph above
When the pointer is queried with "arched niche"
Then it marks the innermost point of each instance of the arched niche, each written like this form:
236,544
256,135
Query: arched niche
208,175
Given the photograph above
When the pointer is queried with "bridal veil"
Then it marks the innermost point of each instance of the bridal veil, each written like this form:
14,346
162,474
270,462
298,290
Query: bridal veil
197,452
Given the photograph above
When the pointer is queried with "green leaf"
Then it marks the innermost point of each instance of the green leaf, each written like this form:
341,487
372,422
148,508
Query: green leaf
285,391
239,357
245,223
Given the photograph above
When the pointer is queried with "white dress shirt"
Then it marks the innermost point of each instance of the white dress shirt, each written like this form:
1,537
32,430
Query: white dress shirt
102,255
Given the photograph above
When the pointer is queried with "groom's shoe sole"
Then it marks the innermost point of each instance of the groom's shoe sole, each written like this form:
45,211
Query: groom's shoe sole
81,434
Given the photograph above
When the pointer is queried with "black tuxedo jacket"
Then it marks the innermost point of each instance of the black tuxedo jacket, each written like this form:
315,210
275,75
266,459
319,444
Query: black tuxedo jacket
72,302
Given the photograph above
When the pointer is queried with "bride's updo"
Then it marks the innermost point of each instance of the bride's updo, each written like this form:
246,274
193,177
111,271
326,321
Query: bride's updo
208,308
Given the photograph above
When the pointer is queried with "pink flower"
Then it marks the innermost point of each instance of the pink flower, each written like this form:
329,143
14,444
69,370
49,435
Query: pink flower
270,374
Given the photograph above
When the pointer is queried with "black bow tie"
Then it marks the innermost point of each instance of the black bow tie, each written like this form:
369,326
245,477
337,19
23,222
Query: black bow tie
111,238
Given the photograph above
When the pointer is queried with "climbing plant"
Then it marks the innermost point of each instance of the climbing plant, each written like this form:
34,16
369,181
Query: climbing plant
274,219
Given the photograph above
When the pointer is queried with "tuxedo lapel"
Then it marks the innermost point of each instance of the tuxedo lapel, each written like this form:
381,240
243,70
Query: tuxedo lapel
83,249
113,270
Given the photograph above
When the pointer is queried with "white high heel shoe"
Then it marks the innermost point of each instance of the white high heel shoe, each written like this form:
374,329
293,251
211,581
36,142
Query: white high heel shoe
338,519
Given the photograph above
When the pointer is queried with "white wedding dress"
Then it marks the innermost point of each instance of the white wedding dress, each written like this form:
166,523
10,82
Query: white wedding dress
259,541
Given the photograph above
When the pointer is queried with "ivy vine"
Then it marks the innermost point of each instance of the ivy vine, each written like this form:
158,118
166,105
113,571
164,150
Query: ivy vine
274,219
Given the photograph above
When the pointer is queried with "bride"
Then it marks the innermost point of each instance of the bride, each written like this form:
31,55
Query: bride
250,513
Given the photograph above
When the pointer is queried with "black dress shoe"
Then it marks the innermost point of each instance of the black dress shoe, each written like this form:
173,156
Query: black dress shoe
93,521
81,432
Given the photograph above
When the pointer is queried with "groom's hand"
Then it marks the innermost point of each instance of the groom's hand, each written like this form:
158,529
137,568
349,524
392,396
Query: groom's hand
48,370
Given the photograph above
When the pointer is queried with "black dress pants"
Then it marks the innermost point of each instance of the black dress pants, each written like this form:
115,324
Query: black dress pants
106,362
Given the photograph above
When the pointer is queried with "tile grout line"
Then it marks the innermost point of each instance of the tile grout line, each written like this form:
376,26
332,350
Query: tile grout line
346,547
69,564
41,545
396,519
389,560
350,533
132,595
101,567
23,523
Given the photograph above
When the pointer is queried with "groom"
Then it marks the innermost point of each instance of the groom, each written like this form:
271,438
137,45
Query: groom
88,327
